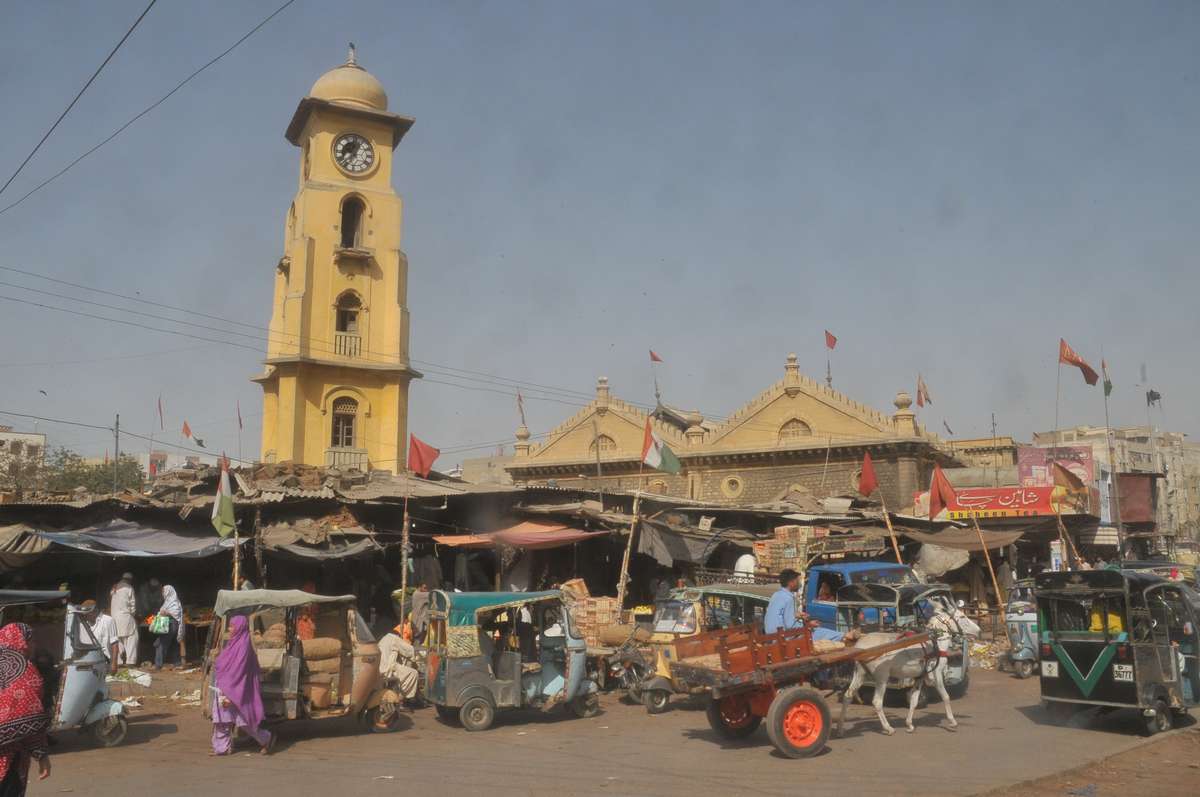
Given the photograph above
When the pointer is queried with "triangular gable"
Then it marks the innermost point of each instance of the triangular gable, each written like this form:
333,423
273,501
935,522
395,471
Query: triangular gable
617,419
801,399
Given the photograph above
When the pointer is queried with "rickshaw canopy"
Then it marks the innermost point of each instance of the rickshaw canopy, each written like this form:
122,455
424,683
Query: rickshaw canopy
248,601
764,591
462,607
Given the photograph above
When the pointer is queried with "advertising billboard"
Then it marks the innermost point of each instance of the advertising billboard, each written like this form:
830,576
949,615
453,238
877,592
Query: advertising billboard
1033,464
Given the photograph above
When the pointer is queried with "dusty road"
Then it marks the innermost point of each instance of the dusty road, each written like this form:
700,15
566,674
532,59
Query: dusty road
1002,739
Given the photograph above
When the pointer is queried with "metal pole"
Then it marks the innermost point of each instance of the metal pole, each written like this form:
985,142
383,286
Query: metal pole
404,551
1115,487
116,450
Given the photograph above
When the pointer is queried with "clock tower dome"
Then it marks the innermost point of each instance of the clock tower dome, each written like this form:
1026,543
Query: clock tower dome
336,376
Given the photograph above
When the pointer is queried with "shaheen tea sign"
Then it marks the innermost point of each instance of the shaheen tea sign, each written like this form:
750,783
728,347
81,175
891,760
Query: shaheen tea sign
997,502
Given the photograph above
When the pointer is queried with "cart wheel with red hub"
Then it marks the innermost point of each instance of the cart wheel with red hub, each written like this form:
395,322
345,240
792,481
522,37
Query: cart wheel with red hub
731,716
798,722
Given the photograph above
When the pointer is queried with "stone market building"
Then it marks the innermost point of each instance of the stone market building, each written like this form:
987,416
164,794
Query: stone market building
798,434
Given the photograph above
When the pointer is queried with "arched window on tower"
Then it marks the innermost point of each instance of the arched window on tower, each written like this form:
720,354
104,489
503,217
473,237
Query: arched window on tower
352,217
794,430
346,339
345,418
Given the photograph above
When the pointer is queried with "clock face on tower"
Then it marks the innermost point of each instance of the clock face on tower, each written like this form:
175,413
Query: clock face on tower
353,153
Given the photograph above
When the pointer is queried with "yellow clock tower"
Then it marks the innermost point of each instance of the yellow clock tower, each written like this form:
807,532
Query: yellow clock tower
335,385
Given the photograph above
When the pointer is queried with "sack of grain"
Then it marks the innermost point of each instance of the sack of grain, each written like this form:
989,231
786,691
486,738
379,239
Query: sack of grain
322,647
333,665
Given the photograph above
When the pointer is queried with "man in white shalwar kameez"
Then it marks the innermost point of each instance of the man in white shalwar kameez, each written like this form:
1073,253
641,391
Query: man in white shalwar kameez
124,611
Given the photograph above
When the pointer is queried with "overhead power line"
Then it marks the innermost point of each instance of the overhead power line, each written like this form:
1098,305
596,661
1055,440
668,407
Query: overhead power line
146,110
71,105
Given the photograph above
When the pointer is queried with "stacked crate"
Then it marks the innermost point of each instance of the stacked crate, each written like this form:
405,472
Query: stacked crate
789,549
594,613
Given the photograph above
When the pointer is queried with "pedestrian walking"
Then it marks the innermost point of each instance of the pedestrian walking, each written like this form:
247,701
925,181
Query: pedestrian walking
167,642
237,693
23,718
123,607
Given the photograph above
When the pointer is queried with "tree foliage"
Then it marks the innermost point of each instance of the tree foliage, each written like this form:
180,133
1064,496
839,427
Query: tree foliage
66,471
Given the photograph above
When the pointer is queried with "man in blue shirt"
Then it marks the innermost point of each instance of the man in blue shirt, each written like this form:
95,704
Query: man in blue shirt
781,611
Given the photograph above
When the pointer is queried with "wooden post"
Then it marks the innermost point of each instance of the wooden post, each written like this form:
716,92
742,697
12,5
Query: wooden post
237,555
1068,544
1001,598
891,531
637,498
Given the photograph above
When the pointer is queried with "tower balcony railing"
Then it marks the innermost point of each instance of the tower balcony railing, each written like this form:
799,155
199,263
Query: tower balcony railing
347,344
346,458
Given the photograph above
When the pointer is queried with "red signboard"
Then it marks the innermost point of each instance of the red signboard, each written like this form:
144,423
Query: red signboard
987,502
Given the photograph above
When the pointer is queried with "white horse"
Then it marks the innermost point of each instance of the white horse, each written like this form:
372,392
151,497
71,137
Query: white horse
911,667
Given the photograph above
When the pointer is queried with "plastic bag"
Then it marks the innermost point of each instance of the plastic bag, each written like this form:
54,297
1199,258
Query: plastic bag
160,625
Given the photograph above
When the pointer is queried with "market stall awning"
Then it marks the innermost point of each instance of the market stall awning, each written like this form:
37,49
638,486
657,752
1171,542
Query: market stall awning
959,539
333,537
127,538
530,535
669,543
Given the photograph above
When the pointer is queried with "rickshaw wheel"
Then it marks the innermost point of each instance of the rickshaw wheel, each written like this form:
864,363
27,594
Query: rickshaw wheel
656,700
959,690
1161,721
111,731
731,717
798,722
1023,669
585,706
447,713
476,714
384,718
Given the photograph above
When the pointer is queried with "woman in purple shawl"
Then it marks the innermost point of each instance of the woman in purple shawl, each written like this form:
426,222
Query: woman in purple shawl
237,697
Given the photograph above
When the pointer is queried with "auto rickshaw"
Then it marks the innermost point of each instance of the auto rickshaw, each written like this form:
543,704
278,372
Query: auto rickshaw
690,611
333,674
1118,639
1020,615
493,650
78,682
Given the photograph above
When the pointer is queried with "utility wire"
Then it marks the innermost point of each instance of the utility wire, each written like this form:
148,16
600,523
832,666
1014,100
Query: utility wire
147,110
92,79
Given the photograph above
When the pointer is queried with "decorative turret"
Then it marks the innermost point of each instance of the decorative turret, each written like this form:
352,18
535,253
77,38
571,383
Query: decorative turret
521,447
904,419
695,428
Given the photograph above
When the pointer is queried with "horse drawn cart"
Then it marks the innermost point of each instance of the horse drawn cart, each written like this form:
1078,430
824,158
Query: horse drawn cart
753,676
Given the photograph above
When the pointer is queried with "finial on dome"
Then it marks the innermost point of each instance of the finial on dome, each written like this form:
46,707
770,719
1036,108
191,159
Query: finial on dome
352,59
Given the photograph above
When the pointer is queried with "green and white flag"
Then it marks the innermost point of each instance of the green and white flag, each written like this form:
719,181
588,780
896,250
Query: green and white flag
222,515
656,453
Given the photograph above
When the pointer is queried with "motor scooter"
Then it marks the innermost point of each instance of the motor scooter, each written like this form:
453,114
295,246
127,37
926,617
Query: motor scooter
1020,617
82,701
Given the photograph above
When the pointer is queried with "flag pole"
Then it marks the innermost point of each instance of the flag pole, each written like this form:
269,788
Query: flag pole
1001,598
891,531
404,545
1114,487
637,500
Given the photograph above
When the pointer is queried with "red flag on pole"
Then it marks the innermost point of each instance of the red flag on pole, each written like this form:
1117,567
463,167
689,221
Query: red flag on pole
830,340
867,483
421,456
187,430
1067,356
922,392
654,358
941,494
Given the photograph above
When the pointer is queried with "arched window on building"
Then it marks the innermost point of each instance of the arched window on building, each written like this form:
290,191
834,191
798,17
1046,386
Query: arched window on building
604,443
794,430
345,418
346,339
352,217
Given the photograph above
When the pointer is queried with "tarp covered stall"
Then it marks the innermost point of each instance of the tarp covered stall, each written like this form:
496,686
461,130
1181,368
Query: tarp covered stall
530,535
128,538
315,539
958,539
669,543
19,545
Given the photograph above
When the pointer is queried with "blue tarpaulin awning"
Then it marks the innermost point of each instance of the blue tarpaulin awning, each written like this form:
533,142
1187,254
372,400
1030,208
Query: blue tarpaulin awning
127,538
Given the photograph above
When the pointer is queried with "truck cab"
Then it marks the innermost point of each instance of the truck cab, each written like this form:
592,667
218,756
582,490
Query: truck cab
822,582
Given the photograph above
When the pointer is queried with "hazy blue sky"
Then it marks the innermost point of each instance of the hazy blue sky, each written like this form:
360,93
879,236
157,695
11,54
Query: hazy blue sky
949,188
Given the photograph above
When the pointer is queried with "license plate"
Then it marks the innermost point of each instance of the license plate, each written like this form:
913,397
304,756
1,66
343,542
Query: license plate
1123,672
1050,669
